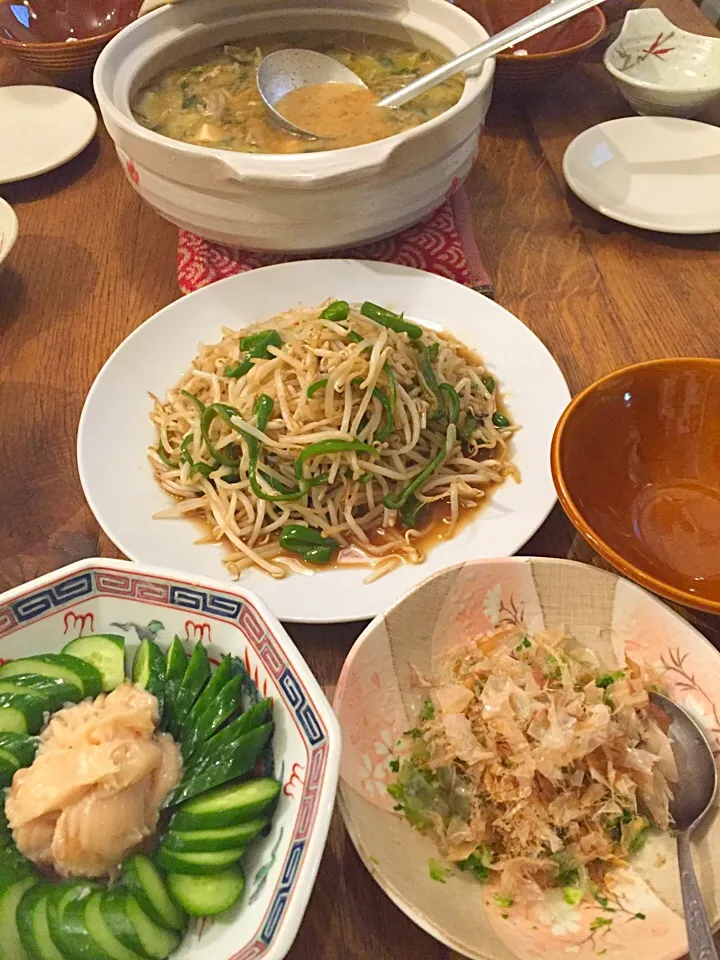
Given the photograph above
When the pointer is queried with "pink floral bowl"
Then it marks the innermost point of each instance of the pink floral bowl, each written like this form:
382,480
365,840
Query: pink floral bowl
377,700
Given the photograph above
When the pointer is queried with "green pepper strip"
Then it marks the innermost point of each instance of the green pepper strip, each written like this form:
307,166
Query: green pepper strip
392,389
339,310
394,321
500,420
224,411
452,401
257,344
489,383
325,447
196,400
186,441
428,375
394,501
197,466
308,543
263,409
355,337
467,427
411,511
164,457
386,429
314,387
364,478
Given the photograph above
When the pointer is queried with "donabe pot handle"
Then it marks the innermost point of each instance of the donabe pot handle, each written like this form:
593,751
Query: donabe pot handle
282,176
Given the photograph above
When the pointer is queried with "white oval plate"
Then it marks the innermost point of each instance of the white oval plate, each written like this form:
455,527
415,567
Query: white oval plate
115,429
46,127
659,173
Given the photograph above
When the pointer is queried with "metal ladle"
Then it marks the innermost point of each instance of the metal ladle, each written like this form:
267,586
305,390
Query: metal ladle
693,795
286,70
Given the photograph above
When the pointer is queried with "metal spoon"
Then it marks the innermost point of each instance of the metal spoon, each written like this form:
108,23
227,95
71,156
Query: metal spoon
692,797
286,70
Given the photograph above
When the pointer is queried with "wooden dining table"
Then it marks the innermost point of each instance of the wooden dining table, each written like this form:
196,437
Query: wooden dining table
93,261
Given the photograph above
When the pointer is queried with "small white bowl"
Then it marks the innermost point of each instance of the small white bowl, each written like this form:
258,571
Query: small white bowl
115,596
662,70
8,229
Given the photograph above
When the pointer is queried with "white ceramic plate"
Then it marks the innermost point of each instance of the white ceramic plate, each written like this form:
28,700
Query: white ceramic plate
660,173
8,228
115,429
40,129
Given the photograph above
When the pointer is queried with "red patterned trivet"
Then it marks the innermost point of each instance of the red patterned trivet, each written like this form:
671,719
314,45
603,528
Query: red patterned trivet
443,244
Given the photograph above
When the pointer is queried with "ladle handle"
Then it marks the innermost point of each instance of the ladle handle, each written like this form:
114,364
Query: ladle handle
548,16
700,939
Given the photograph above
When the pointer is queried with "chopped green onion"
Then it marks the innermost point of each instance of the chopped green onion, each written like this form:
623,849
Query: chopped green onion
608,679
572,895
503,901
428,710
394,766
437,871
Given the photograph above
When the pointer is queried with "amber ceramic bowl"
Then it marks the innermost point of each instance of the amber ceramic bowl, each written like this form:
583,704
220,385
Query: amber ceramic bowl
636,464
61,37
545,56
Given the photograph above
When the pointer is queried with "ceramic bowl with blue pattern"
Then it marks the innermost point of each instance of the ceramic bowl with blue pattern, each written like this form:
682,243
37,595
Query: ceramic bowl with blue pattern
113,596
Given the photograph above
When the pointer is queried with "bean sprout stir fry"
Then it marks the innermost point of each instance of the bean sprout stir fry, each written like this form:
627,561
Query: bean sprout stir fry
330,433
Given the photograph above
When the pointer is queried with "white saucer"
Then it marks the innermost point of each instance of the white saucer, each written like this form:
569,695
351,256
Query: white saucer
40,129
660,173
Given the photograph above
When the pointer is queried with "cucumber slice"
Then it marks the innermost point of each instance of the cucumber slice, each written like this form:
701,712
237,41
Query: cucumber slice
77,941
197,863
8,767
216,767
20,713
148,670
58,692
103,651
226,806
68,930
147,886
22,747
32,924
196,676
176,663
68,668
225,704
10,943
102,934
207,896
217,681
113,907
208,841
157,941
9,686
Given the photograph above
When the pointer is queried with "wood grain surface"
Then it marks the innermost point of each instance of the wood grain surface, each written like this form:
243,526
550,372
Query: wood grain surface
92,262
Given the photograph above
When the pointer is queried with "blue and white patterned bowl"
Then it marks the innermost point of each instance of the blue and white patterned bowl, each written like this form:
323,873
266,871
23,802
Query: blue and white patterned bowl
96,596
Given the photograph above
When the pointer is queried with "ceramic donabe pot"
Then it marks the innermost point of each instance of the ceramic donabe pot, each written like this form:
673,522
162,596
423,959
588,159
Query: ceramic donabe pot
298,202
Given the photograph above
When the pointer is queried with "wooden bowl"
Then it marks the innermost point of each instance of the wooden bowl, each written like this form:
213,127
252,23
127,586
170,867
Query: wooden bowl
636,464
545,56
61,37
